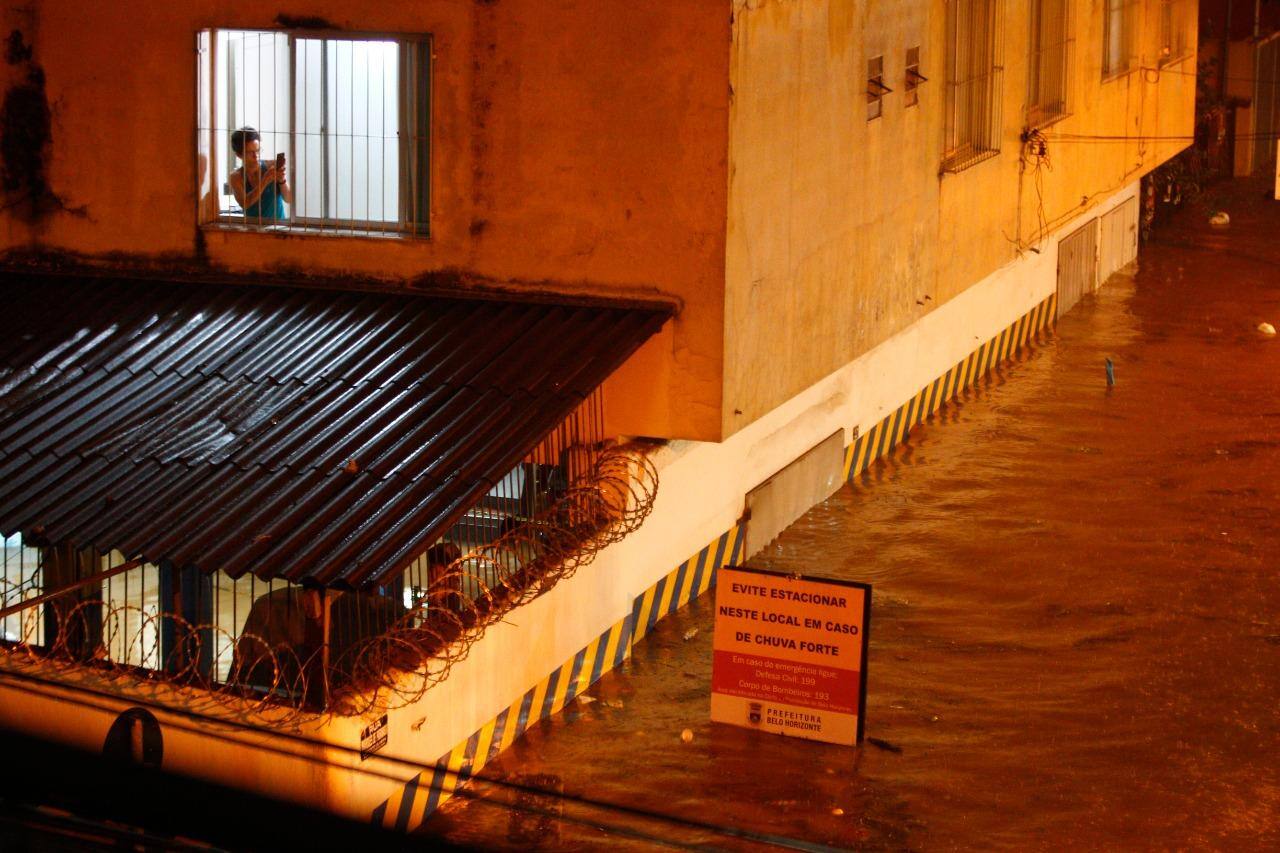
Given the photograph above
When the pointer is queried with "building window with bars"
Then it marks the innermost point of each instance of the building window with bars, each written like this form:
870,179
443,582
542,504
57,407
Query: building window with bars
307,132
912,78
876,89
1175,24
1049,62
21,579
1117,36
973,117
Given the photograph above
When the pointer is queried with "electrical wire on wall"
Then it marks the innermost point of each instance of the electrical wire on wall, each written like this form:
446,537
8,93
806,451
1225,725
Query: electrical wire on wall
1035,157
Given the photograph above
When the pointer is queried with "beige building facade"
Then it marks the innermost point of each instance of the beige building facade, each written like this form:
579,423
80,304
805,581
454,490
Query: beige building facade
855,210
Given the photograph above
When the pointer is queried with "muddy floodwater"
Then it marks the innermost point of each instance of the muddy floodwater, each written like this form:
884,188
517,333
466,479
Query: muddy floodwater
1076,613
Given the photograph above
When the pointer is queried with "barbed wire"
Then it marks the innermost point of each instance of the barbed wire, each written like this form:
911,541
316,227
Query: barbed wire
284,681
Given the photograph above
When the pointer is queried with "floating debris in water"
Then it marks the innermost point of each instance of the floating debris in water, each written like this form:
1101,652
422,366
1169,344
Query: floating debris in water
585,699
687,736
1220,219
1111,373
1266,328
690,634
879,743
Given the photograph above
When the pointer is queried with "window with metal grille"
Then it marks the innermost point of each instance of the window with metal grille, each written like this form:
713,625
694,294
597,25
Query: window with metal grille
21,578
973,116
303,131
130,613
1118,17
1049,62
1175,24
913,78
876,89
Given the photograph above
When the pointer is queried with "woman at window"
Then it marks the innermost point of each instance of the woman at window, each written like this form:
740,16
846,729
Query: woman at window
261,190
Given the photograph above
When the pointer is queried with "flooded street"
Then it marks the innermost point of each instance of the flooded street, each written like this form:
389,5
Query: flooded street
1075,637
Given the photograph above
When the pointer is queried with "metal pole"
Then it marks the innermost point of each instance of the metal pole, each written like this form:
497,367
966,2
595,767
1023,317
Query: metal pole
72,587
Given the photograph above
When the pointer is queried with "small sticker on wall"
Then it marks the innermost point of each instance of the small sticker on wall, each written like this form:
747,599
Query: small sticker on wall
373,738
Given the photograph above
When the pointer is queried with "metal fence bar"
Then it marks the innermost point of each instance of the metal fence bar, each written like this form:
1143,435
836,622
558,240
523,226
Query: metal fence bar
360,86
71,587
1050,63
972,120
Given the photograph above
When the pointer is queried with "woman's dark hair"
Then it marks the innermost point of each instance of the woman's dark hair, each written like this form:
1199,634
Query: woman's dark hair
239,138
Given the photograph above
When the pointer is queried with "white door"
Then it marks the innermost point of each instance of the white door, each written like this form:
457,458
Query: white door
1077,266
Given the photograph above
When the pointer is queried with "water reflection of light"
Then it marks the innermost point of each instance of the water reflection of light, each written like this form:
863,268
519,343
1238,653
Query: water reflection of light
1073,630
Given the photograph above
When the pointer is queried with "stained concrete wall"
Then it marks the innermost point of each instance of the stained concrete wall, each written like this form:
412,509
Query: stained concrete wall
716,153
704,489
842,231
703,493
578,147
832,218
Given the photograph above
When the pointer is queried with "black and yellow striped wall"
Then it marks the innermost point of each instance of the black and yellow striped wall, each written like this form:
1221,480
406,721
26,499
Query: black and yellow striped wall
894,428
420,796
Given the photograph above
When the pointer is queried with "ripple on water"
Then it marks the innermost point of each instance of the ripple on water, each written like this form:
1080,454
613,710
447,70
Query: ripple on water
1075,638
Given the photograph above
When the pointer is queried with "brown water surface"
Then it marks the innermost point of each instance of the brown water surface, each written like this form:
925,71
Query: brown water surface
1076,635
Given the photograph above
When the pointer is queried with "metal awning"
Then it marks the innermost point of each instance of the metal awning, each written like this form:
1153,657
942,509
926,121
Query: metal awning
319,436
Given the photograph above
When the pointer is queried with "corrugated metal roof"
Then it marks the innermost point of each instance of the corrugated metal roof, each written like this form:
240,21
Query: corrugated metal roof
215,425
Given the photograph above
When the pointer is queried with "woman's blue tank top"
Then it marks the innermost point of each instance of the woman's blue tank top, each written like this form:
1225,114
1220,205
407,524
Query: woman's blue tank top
269,206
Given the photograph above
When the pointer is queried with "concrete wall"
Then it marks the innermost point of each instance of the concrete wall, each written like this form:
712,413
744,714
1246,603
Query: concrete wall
841,230
703,493
578,147
718,154
833,220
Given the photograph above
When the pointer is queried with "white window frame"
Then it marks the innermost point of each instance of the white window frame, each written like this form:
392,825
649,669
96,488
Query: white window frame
414,134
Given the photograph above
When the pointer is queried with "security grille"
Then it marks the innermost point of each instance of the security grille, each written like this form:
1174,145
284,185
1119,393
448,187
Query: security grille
265,638
1118,43
302,131
1176,22
973,115
21,578
1052,49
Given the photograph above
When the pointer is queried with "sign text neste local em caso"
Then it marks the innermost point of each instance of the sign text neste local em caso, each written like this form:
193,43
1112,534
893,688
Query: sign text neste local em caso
790,654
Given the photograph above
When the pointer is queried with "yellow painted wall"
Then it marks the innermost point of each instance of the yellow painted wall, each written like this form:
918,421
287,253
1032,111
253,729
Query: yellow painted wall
841,230
578,147
716,153
832,219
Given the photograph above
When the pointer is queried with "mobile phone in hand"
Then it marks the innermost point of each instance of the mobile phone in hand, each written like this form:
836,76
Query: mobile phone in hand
280,160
